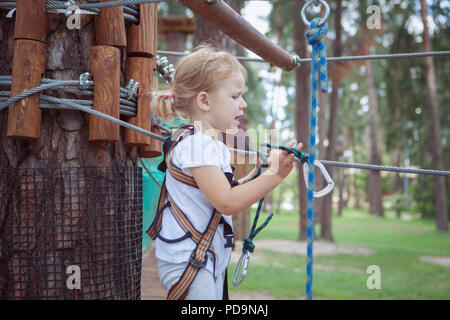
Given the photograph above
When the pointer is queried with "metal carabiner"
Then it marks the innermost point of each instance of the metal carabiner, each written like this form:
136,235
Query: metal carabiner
307,4
243,266
328,179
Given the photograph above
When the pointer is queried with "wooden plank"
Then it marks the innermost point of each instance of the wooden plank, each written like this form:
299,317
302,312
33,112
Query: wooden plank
140,69
105,71
141,37
151,288
110,27
24,116
31,20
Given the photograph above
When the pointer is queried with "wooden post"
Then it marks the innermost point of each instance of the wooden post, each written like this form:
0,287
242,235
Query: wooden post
105,69
141,62
141,38
140,69
110,27
30,49
155,148
31,20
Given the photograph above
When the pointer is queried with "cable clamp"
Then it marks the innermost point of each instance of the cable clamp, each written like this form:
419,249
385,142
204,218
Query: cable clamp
132,87
84,81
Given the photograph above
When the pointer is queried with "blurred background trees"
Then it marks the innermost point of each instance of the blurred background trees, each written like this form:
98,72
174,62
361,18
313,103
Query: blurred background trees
388,112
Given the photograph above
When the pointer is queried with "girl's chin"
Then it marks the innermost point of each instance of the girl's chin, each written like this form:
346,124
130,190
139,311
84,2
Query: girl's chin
233,130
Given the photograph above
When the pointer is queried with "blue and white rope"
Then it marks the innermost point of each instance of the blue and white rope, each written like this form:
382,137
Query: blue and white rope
314,38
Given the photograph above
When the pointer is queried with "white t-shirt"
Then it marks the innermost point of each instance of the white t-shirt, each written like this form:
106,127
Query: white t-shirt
194,151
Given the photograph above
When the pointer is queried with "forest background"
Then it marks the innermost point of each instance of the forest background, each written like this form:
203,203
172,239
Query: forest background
390,112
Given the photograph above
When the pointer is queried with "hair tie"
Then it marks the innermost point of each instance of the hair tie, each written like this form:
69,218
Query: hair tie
170,98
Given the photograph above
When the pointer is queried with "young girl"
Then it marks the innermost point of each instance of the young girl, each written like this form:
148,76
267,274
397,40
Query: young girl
193,246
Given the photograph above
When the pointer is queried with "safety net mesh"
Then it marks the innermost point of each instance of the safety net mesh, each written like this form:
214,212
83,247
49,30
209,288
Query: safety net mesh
71,233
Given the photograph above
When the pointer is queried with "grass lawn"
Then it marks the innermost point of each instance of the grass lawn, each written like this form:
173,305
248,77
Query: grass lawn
397,246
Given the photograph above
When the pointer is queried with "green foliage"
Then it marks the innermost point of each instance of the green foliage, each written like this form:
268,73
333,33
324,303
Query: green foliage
254,95
400,83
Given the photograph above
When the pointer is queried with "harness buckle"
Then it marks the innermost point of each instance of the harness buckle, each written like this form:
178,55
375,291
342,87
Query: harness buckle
229,241
196,263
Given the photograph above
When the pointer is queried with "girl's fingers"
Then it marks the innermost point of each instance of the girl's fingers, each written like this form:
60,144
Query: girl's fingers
291,143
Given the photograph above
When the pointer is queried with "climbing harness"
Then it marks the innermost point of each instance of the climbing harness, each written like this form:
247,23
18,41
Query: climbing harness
203,241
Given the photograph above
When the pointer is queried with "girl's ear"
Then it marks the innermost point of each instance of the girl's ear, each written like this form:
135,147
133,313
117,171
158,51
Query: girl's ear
203,101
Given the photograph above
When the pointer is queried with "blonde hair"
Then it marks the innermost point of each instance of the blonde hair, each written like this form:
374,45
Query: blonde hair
196,72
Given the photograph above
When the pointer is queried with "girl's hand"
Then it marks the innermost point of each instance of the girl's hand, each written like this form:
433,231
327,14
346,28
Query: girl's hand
280,162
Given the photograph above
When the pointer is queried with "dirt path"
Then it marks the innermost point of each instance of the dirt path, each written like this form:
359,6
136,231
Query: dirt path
299,247
442,261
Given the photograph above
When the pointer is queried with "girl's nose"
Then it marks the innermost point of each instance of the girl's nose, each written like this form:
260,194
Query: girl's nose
243,104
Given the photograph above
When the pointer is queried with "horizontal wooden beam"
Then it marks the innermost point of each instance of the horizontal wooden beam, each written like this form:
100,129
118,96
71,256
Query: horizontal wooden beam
176,24
232,24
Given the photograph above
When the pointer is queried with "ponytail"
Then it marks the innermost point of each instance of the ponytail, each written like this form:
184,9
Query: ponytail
164,107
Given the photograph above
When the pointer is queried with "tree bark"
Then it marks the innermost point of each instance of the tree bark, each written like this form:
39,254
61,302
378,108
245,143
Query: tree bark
54,223
375,191
436,150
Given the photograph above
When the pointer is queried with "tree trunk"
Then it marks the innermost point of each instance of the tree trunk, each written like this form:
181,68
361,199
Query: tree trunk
175,41
320,181
206,32
439,181
341,185
301,110
375,191
55,214
327,207
398,183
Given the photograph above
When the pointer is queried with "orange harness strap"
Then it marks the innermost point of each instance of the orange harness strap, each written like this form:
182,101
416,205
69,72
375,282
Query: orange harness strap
203,241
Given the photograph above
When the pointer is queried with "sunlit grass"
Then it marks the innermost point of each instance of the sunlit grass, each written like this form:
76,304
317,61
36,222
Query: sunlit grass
397,246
